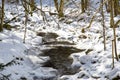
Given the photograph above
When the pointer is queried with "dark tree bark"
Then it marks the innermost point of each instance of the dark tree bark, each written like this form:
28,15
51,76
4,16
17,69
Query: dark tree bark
59,7
2,16
32,6
108,6
84,5
112,54
116,5
56,5
60,13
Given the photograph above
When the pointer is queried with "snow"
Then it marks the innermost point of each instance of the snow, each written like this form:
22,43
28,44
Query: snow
12,48
25,57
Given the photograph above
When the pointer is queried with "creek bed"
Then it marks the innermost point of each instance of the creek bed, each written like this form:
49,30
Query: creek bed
59,58
59,52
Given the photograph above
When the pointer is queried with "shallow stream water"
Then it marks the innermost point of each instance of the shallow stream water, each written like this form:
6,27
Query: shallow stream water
59,53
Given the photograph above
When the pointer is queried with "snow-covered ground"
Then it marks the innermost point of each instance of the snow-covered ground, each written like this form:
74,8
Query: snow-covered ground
21,60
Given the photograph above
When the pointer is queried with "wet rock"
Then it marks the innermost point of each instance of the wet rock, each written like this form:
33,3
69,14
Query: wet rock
85,59
23,78
88,51
64,78
42,34
118,39
47,37
83,30
116,78
83,75
93,62
82,36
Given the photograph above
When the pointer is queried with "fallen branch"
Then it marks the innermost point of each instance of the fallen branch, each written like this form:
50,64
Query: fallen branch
12,19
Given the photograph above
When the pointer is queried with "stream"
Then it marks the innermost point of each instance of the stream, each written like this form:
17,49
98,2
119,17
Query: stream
59,59
59,52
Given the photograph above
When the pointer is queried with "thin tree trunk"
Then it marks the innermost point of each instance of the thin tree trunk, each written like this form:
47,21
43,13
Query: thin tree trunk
1,28
60,13
41,4
103,24
59,7
116,5
108,6
82,6
113,53
56,5
86,4
2,16
26,19
113,26
32,6
17,1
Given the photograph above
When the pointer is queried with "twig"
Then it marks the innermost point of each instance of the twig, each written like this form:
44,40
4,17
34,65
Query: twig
12,19
75,3
56,22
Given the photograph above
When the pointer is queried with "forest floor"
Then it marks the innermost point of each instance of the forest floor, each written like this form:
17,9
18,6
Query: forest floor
57,49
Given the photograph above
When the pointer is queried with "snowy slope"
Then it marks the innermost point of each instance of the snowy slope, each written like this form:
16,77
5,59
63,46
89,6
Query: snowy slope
22,61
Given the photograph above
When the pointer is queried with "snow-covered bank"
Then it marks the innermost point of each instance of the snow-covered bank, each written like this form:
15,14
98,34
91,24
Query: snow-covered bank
18,62
22,61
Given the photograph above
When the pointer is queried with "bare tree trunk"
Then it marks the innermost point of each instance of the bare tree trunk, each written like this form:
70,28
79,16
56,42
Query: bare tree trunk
59,7
41,4
26,19
56,5
113,26
2,16
108,6
26,7
17,1
103,24
1,27
32,6
82,6
60,13
113,53
86,4
116,5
